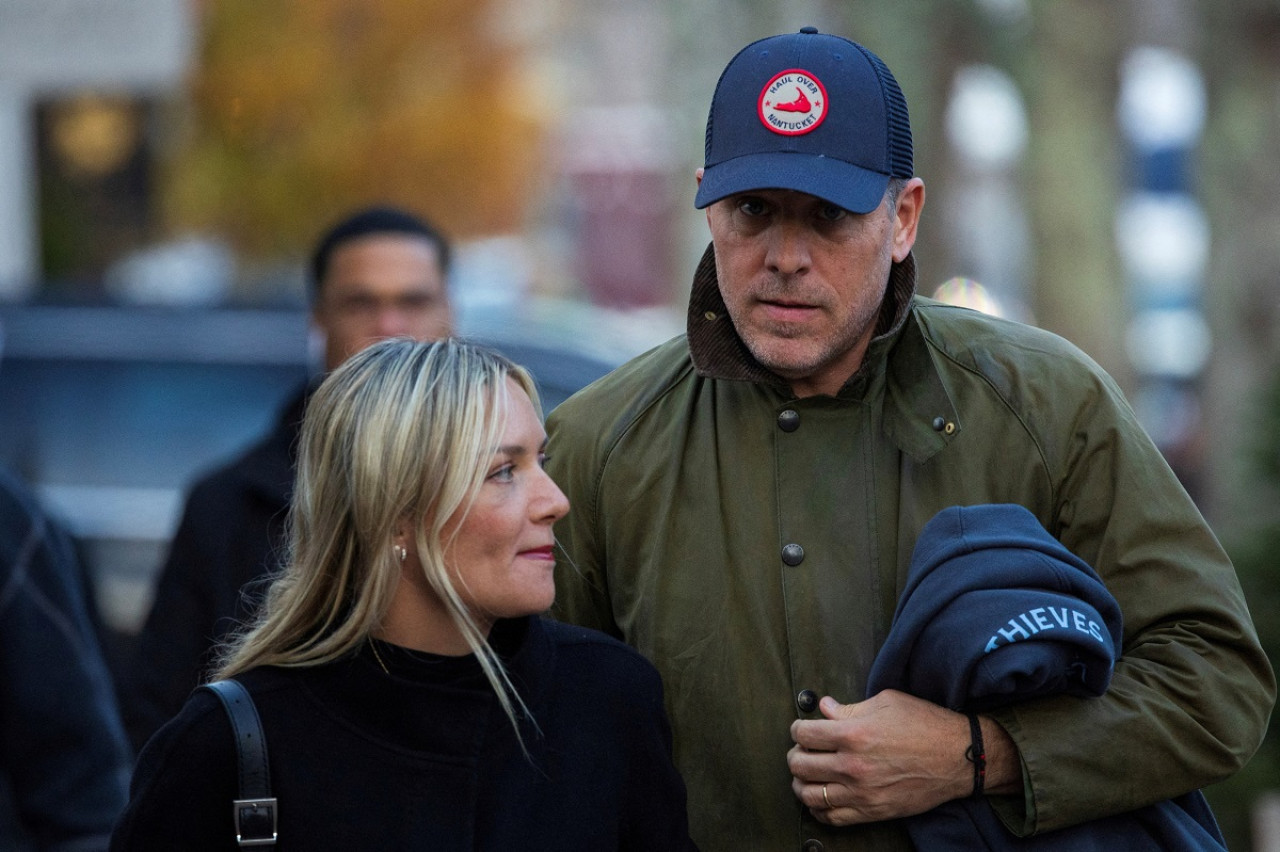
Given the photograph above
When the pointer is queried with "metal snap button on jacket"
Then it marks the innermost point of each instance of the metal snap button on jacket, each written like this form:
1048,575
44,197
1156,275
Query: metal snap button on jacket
793,554
807,700
811,846
789,420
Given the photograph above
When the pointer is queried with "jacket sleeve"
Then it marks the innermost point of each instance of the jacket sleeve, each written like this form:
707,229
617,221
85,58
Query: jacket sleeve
173,649
62,745
1192,690
582,593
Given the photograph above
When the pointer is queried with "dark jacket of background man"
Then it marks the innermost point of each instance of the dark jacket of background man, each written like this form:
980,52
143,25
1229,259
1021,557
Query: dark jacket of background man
64,760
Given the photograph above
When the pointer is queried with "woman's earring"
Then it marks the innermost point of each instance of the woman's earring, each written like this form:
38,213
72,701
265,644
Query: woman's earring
400,552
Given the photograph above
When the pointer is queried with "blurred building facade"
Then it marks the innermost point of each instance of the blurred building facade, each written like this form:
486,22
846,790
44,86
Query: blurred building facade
78,80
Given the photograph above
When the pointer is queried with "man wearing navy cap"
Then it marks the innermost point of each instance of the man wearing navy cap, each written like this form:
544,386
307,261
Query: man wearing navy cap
747,498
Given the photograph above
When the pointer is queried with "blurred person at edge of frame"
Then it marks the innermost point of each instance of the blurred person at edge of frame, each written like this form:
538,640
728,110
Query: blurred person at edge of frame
749,495
380,272
64,759
411,695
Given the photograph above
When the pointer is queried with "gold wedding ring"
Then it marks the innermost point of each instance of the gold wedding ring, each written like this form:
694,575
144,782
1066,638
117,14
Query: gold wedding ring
824,796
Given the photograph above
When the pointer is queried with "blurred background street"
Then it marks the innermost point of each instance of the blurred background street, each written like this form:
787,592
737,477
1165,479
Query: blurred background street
1106,169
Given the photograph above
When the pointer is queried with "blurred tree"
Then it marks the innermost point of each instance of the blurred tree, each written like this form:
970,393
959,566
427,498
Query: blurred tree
1254,553
1241,182
1240,176
299,110
1063,58
1068,74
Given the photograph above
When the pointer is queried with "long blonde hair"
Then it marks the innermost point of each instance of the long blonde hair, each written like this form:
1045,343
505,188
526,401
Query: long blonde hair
400,430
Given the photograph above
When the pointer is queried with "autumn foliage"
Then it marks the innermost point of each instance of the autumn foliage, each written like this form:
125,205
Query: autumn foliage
298,110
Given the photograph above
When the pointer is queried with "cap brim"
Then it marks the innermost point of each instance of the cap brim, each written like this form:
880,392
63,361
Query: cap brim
843,184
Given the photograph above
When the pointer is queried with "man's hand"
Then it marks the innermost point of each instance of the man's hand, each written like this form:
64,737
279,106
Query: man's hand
890,756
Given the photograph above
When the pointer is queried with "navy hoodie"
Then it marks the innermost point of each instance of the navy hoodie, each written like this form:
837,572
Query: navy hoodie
996,611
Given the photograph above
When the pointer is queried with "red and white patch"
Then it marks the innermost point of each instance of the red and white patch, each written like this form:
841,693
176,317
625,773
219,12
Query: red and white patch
794,102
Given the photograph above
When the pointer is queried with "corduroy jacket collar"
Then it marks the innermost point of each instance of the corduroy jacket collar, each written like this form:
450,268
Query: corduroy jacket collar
719,353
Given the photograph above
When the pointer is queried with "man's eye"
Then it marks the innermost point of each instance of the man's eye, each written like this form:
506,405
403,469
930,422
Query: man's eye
417,302
752,206
832,213
357,305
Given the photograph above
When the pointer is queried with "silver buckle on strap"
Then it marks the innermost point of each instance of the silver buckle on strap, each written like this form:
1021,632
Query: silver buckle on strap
251,817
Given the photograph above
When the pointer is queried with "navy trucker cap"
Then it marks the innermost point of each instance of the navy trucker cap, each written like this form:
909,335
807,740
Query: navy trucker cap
811,112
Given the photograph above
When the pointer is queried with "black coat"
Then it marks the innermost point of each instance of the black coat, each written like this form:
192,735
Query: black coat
63,758
425,758
229,541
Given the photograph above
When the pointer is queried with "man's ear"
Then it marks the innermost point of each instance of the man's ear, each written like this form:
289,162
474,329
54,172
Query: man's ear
697,175
906,218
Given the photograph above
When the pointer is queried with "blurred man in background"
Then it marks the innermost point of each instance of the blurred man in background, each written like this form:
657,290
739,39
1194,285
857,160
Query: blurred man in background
378,273
64,760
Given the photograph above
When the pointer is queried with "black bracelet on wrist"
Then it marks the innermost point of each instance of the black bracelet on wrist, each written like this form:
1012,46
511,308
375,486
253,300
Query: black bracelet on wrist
976,754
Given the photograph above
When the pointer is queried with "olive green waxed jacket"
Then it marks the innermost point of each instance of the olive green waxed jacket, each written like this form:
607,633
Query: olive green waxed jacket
753,546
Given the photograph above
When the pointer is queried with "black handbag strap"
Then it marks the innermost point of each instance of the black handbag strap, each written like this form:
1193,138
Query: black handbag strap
255,809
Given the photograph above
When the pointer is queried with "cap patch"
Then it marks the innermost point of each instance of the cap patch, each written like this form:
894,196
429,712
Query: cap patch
794,102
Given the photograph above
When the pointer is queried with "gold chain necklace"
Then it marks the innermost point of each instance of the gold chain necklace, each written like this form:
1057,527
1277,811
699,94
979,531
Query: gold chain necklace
373,647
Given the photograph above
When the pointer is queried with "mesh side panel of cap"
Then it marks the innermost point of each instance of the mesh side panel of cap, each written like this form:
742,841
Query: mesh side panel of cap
901,163
706,142
711,113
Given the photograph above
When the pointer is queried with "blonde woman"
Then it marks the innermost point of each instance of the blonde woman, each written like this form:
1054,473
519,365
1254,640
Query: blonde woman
409,692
